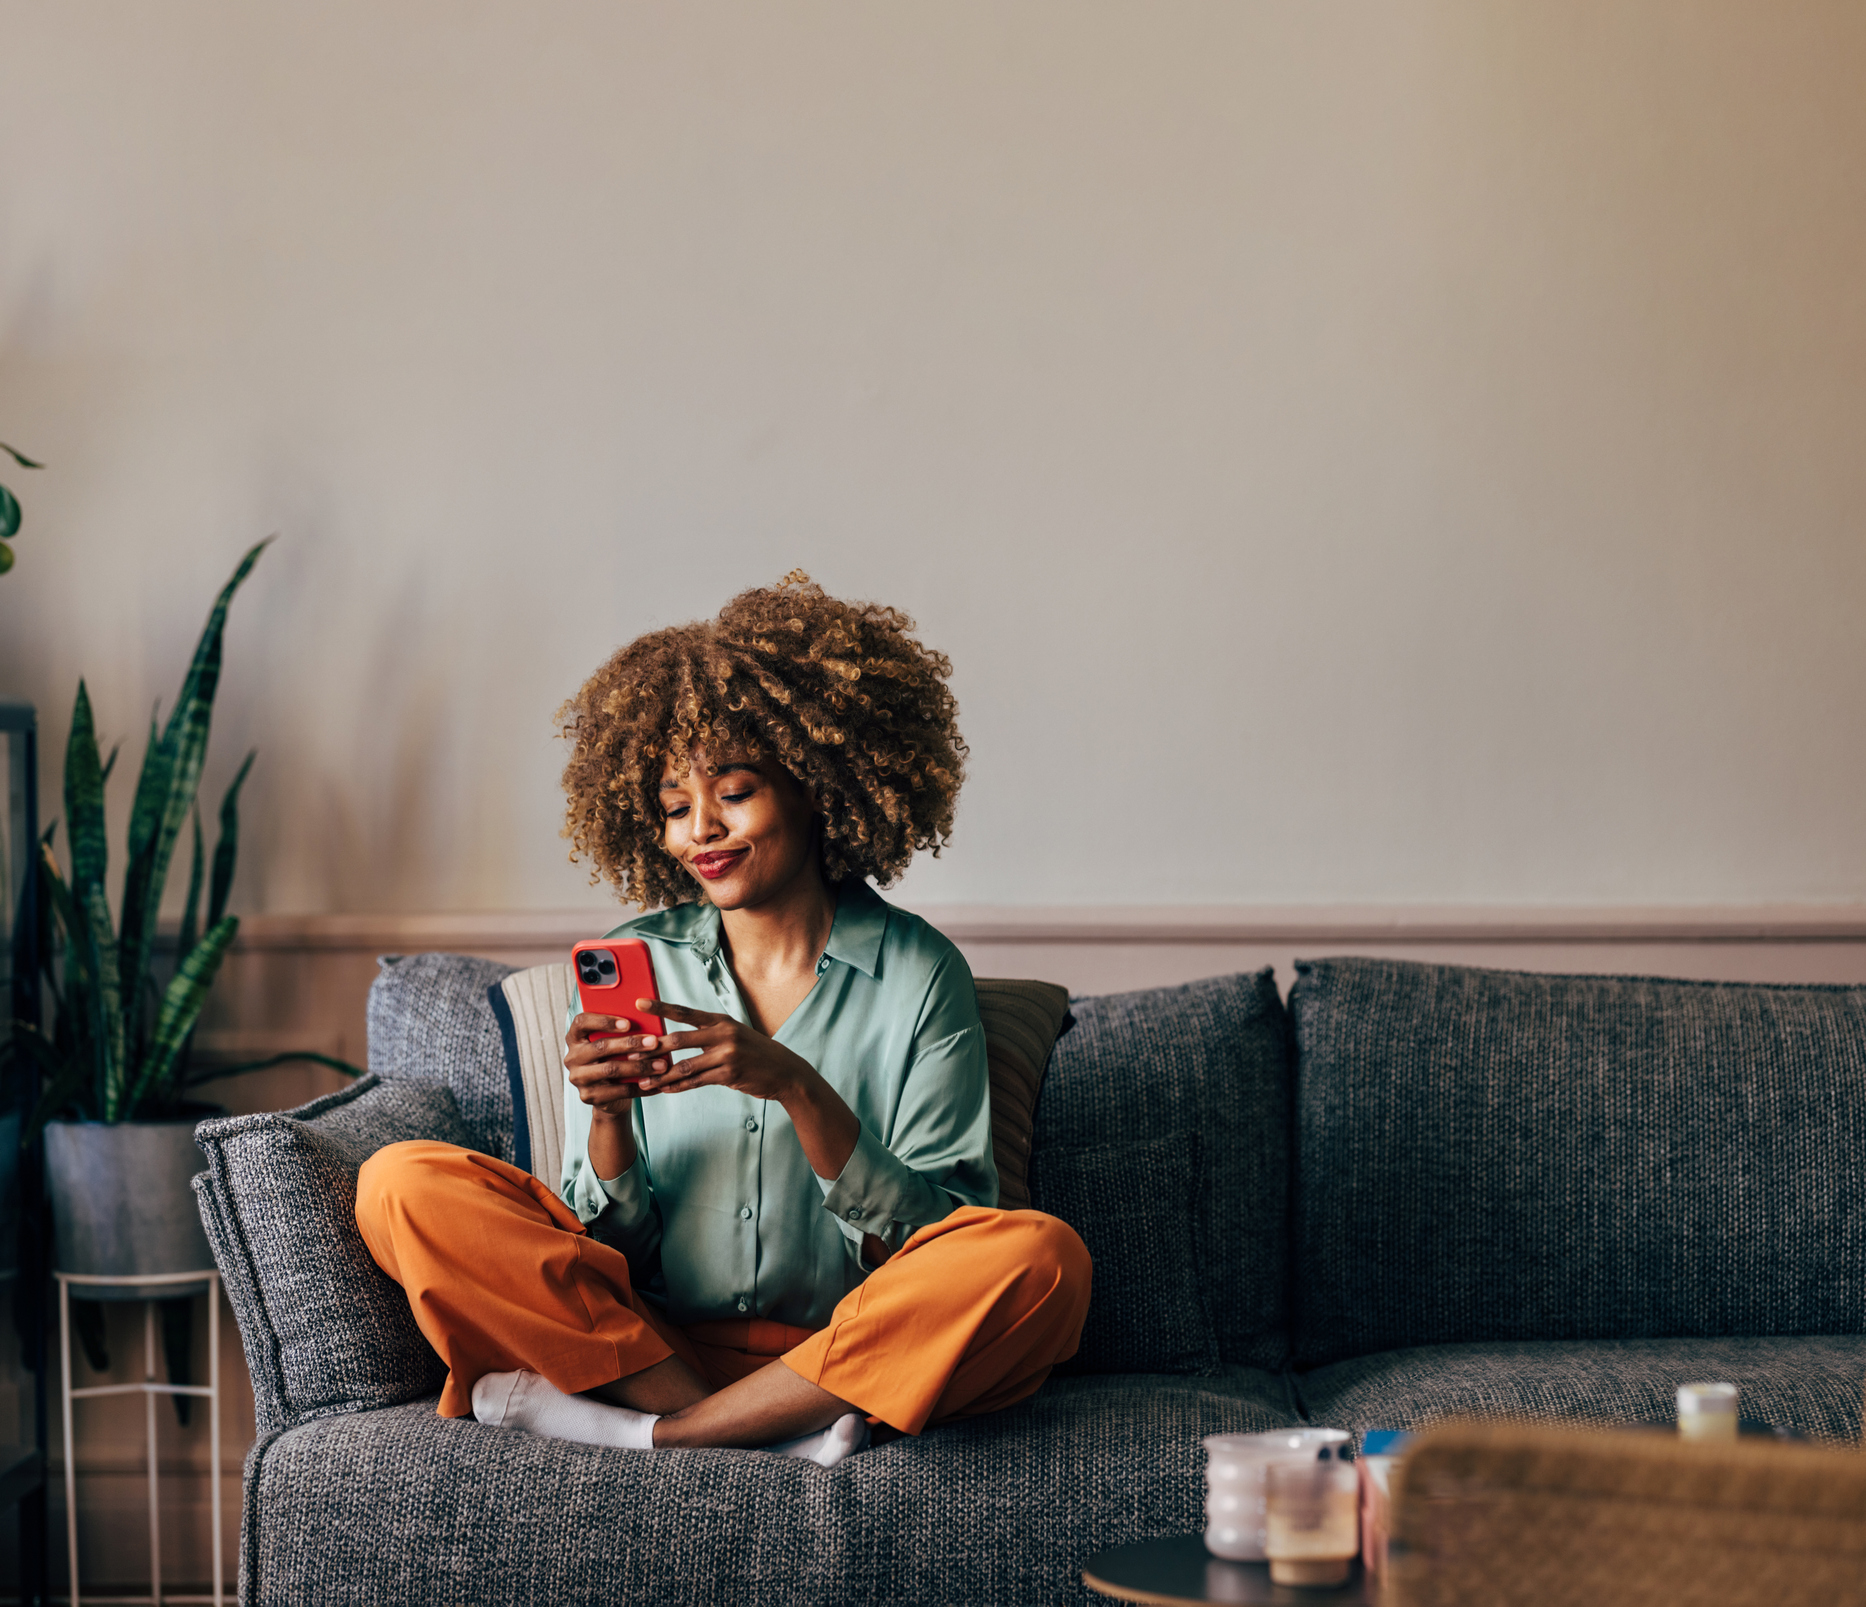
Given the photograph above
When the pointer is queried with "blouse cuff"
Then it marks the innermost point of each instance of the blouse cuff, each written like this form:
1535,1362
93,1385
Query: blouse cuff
622,1201
628,1194
877,1190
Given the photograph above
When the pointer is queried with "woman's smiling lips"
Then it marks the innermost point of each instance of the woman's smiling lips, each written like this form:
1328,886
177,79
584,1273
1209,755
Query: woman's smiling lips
715,865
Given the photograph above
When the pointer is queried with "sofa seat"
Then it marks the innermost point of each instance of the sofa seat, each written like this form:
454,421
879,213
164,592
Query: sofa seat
401,1505
1810,1384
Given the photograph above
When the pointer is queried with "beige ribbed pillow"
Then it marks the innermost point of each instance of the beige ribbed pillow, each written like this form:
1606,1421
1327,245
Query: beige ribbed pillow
539,1000
1022,1022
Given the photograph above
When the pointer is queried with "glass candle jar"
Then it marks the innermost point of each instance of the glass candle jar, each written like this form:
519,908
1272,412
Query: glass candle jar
1707,1411
1311,1521
1234,1495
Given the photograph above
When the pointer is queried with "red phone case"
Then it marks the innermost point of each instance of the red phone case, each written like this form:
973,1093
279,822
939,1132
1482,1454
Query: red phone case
612,973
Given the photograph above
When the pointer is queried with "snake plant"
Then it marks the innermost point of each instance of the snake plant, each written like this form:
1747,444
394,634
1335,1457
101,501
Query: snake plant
118,1046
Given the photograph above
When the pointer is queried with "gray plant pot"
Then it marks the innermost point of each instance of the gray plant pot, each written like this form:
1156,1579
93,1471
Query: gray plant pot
122,1202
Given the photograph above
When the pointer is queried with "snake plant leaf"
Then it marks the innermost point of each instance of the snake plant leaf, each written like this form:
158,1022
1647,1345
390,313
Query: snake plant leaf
6,557
197,872
90,991
112,1027
84,801
141,815
227,846
171,776
9,514
65,1079
181,1005
48,923
19,457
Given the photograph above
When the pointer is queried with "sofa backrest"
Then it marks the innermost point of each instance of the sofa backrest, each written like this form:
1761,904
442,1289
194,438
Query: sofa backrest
1494,1155
1163,1138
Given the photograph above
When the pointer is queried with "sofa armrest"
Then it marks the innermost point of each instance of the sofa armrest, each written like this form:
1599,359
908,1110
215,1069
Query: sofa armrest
325,1330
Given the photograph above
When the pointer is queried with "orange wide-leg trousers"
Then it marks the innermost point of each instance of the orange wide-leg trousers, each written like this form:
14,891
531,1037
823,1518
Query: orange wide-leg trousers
968,1316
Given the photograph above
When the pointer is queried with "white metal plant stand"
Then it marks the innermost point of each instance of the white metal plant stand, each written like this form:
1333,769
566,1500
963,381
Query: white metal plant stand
149,1389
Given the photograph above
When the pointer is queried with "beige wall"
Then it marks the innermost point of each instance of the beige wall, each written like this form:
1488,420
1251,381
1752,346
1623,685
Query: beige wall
1369,453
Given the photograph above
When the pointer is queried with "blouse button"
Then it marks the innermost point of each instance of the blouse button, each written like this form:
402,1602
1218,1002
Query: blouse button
745,1212
751,1124
744,1304
855,1213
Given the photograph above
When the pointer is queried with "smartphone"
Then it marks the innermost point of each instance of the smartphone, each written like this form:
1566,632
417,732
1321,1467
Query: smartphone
612,973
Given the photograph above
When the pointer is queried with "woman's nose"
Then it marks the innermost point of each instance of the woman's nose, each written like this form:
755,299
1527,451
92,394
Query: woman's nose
707,823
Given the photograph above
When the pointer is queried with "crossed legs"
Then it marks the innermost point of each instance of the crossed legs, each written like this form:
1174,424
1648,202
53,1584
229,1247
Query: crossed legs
969,1316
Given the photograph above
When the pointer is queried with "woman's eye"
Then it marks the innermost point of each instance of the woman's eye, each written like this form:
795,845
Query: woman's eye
734,797
675,814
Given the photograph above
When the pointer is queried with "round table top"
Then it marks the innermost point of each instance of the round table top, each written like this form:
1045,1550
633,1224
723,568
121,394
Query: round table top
1179,1569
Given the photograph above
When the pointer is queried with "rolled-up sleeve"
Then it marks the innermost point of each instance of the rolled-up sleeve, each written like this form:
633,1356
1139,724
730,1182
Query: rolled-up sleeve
937,1154
618,1211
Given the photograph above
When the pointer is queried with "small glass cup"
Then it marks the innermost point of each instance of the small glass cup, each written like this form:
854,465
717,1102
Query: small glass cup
1707,1411
1312,1528
1234,1498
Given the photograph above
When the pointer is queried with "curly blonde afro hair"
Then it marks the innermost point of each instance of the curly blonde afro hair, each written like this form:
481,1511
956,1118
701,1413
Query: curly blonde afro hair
840,694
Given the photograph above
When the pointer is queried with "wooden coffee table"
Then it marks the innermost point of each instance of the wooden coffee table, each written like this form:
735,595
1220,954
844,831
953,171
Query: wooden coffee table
1179,1569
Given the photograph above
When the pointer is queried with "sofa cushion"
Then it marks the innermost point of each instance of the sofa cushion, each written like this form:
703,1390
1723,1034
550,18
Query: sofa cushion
430,1021
325,1329
1810,1385
401,1505
531,1007
1022,1021
1491,1155
1136,1207
1205,1068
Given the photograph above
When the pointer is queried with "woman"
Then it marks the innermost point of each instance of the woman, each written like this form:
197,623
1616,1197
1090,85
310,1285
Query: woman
802,1173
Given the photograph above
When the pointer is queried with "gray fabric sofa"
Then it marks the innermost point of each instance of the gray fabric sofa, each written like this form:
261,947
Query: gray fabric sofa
1416,1192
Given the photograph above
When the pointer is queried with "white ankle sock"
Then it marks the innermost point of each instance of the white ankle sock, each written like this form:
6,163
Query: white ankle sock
828,1446
528,1401
531,1402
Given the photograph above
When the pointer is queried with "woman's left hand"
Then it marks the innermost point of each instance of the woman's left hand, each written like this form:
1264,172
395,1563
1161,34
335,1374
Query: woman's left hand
731,1054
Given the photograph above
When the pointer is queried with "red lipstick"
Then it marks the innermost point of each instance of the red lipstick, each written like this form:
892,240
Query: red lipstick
714,866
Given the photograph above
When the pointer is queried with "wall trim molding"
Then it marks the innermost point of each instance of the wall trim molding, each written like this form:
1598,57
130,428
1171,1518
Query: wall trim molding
1277,925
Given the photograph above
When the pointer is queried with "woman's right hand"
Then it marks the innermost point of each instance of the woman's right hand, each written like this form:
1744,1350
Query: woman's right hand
598,1067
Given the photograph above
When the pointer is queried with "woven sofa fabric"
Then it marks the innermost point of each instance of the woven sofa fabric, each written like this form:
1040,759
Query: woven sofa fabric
401,1506
1144,1259
1809,1384
325,1329
431,1021
1491,1155
1208,1061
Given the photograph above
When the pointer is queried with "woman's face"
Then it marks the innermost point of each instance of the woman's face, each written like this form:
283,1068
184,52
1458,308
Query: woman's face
744,830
